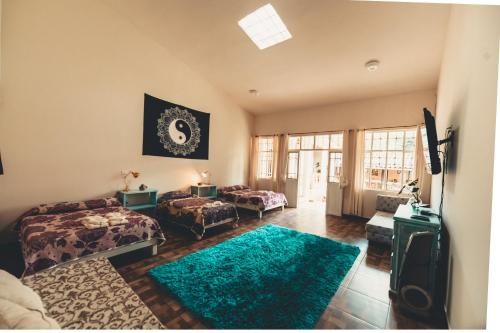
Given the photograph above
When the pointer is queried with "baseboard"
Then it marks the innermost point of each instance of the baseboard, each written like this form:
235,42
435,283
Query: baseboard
356,217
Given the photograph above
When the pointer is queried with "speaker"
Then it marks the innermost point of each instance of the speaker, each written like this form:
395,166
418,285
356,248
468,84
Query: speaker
415,294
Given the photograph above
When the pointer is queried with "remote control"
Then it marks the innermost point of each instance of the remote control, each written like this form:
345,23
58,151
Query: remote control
420,217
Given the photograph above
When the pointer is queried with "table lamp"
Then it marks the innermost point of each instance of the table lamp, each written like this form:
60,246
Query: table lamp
205,177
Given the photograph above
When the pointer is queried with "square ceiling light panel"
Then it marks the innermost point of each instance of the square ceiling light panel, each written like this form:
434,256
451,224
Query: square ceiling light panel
264,27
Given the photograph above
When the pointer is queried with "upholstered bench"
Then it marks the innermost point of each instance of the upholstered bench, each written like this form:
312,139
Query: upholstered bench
380,228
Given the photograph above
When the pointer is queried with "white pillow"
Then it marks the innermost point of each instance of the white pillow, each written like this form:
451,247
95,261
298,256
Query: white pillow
21,307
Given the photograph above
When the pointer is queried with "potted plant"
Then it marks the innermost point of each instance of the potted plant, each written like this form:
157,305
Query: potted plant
412,187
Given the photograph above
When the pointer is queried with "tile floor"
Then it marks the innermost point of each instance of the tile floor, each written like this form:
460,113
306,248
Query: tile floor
362,301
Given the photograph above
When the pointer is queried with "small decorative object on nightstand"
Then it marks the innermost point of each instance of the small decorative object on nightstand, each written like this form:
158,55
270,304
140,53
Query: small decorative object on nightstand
125,175
204,191
137,200
205,178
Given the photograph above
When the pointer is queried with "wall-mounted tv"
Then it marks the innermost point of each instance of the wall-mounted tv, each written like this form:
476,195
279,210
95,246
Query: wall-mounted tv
430,144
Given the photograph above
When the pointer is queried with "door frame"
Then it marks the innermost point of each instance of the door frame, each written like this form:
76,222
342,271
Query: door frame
291,187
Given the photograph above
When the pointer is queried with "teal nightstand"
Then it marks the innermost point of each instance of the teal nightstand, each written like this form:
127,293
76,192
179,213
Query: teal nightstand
204,191
137,200
404,226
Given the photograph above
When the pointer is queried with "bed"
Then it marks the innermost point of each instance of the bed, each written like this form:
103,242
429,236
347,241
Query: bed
194,213
90,294
53,234
260,201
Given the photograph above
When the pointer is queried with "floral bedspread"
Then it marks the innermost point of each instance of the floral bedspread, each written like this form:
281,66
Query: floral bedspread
196,213
262,200
51,234
91,294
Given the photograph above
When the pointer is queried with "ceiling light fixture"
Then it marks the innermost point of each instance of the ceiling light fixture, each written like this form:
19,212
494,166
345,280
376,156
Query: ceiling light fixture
372,65
254,92
264,27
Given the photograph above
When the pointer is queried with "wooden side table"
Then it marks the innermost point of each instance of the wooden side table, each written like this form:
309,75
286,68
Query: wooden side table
132,199
204,191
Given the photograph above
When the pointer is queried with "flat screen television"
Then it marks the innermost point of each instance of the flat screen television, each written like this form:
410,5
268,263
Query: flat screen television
430,144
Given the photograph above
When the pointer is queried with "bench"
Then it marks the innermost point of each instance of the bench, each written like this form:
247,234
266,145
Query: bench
380,228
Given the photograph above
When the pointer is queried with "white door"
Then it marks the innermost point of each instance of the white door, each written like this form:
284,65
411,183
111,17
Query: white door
292,184
334,188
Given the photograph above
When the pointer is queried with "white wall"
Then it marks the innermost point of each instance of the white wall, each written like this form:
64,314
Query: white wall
73,77
467,102
388,111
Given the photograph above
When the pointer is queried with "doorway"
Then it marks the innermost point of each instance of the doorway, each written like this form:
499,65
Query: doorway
314,172
312,181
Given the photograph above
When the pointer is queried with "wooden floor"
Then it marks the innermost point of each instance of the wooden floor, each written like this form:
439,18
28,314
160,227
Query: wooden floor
361,302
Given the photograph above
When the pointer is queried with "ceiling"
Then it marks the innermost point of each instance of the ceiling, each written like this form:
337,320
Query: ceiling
322,64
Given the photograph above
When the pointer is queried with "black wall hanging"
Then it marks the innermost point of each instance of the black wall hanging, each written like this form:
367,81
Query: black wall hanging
173,130
1,167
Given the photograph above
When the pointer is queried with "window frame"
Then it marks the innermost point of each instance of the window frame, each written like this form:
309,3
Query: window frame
330,150
385,171
270,151
294,175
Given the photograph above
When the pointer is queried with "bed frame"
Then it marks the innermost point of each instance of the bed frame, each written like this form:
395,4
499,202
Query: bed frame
256,209
152,243
198,237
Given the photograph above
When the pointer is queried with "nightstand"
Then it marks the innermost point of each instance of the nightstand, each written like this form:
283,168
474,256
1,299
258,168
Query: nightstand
138,200
204,191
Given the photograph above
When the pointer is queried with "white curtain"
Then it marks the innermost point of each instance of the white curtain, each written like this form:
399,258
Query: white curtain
280,150
278,179
254,156
424,179
354,189
348,162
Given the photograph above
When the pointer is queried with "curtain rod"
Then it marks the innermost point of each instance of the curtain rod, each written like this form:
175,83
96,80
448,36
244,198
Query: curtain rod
328,132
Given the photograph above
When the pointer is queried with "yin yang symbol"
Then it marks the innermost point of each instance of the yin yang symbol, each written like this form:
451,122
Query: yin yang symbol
179,131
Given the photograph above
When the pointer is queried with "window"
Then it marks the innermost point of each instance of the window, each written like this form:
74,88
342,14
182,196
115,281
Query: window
336,141
321,141
265,27
265,162
293,165
332,142
294,143
389,158
335,171
307,142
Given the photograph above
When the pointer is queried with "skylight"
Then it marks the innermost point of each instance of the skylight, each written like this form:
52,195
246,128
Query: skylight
264,27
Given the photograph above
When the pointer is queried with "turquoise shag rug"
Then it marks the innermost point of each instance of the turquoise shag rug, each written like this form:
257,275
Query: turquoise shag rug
272,277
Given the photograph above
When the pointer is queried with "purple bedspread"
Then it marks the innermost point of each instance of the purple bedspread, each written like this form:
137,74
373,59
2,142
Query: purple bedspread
51,234
261,200
196,214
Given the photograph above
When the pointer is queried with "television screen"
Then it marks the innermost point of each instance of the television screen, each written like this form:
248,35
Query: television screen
430,144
